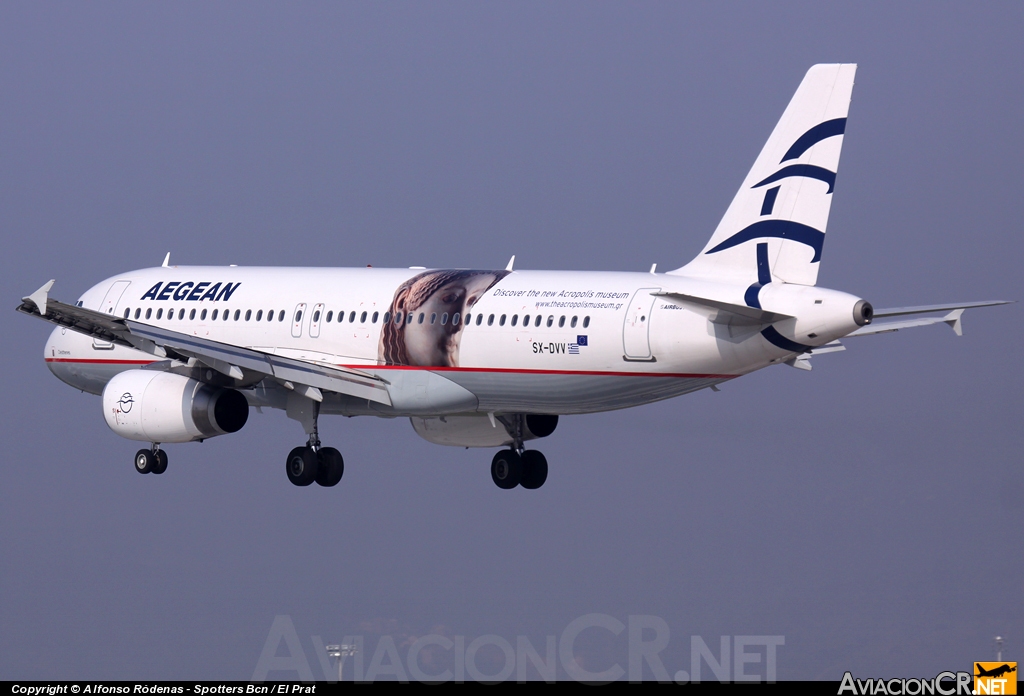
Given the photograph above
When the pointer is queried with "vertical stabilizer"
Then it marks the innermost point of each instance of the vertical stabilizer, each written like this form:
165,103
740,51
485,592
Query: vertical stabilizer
786,197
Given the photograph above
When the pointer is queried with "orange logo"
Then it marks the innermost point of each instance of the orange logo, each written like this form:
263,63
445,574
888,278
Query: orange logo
995,678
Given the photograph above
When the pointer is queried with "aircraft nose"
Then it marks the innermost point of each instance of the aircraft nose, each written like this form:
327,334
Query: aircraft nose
56,343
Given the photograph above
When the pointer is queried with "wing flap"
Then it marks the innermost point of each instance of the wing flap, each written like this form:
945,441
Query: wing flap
327,377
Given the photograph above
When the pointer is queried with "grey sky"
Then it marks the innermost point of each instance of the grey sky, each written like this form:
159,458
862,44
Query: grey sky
870,511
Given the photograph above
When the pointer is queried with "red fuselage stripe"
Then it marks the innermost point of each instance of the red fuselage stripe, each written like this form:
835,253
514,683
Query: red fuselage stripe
518,371
98,361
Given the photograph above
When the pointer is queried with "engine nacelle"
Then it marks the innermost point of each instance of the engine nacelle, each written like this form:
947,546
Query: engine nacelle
477,431
164,407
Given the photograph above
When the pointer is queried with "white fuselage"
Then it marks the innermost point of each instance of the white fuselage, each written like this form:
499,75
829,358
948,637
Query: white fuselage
535,341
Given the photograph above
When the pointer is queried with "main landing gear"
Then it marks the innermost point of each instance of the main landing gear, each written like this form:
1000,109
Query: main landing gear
151,461
528,469
313,462
517,466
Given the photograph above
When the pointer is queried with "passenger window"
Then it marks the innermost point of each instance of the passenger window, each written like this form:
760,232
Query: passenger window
398,318
362,318
561,321
202,315
573,323
455,319
351,317
298,316
149,312
469,319
515,319
280,315
420,321
181,313
373,319
490,320
444,318
330,315
526,320
433,317
536,320
270,315
159,313
237,314
127,312
479,319
501,322
551,320
259,315
408,318
586,322
213,317
248,315
316,316
387,318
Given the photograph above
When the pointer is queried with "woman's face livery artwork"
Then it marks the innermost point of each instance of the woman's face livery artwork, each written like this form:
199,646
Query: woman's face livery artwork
432,308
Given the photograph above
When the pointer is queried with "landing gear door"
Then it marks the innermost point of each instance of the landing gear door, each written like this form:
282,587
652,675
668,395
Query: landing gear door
636,337
300,312
109,306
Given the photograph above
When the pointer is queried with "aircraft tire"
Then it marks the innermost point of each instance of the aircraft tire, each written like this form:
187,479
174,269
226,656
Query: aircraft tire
535,470
144,461
506,469
161,462
330,467
301,466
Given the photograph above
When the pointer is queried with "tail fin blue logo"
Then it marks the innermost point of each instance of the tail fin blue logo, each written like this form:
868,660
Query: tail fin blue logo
787,229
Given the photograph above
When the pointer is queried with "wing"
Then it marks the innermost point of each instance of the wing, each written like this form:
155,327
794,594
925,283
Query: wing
952,317
234,361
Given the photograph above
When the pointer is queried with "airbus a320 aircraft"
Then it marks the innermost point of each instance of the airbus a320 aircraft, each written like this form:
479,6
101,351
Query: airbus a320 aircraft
477,358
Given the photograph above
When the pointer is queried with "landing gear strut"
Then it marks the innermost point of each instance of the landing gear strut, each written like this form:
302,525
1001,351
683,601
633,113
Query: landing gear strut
518,466
305,465
151,461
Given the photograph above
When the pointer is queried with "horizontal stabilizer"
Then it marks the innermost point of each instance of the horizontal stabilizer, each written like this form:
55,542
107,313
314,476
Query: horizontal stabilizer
751,315
924,309
952,318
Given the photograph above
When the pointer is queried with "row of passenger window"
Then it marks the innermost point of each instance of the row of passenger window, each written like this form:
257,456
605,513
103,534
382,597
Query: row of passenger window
399,318
225,315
